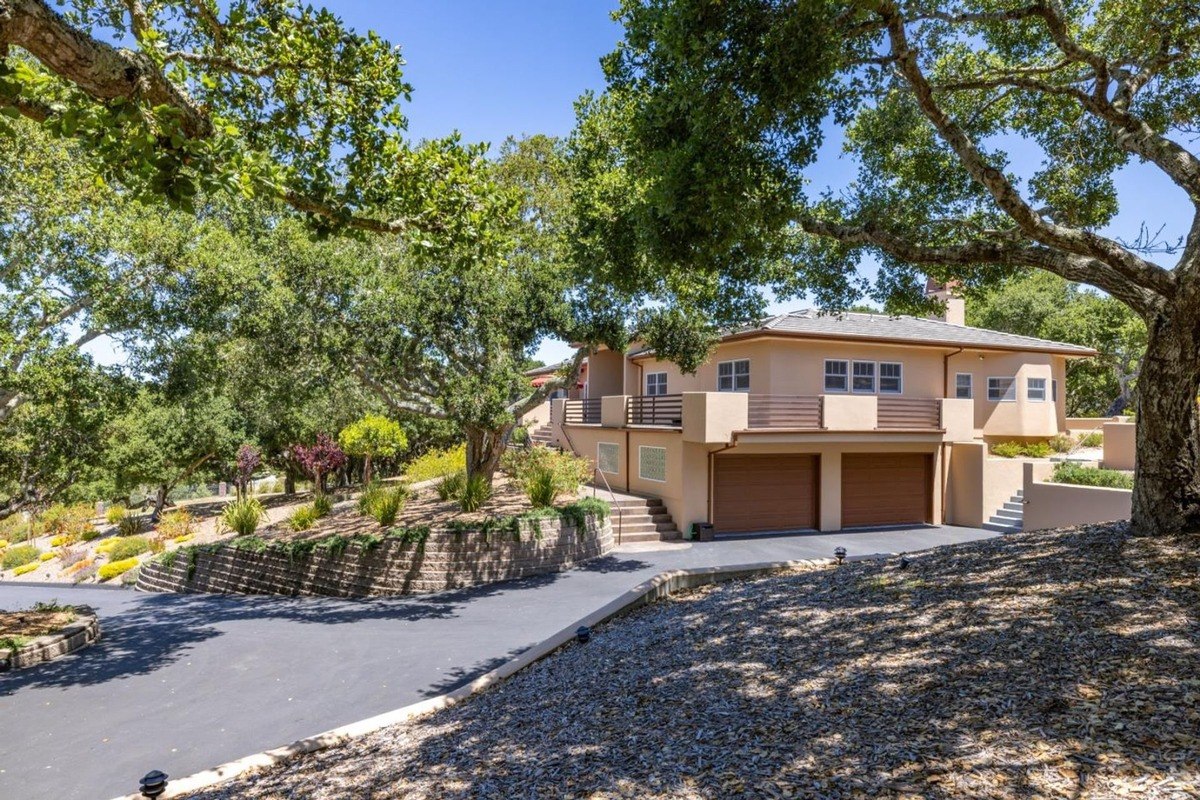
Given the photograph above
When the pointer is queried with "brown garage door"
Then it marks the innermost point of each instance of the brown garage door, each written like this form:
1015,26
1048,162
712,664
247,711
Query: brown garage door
764,493
886,488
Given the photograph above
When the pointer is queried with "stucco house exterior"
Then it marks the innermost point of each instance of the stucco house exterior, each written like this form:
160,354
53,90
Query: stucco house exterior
816,421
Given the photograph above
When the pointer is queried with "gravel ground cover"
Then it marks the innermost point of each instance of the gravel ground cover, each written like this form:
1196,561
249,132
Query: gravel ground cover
1039,665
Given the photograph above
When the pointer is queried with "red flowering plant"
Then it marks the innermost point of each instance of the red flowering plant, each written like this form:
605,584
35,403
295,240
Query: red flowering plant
248,460
319,459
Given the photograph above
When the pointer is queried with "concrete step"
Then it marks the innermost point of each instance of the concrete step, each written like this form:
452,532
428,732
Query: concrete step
1007,513
1002,526
645,527
1017,506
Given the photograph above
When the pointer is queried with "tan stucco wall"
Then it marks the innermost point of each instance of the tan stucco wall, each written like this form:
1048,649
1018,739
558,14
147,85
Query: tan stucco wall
712,417
606,373
536,417
979,484
1053,505
1120,446
1079,425
1021,418
686,490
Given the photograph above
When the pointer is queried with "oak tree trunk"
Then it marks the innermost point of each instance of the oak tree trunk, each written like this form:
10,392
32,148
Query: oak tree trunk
367,470
1166,487
289,483
484,448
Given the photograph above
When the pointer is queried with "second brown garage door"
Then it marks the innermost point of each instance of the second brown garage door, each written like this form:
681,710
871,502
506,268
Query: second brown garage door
764,493
886,488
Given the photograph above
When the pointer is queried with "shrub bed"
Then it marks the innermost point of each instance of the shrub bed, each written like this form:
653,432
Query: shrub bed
1091,476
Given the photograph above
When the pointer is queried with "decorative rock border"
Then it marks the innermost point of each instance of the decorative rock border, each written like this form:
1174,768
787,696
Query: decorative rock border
656,588
85,630
445,560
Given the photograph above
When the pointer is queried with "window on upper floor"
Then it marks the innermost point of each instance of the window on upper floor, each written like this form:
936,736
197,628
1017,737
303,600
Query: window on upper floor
1035,390
963,386
891,379
864,377
837,376
733,376
1002,390
656,383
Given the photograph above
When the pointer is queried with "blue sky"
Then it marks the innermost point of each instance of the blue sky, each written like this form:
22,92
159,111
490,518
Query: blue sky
494,69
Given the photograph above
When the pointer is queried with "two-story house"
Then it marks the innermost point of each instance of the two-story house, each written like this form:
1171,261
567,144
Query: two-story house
815,421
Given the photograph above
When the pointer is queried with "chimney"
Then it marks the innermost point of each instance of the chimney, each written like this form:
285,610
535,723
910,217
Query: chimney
956,308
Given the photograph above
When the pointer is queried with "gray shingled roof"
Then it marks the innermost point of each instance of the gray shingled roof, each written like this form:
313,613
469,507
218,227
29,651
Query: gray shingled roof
915,330
907,329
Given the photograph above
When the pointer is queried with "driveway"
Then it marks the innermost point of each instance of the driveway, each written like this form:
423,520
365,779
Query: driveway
185,682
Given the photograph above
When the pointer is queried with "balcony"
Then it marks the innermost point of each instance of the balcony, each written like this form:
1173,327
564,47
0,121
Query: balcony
711,417
658,410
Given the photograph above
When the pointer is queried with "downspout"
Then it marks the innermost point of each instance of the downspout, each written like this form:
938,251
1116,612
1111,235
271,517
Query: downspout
711,456
628,482
945,447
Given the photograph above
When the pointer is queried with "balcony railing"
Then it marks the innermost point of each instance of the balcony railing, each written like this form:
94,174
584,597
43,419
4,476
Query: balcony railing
784,411
582,412
917,413
663,410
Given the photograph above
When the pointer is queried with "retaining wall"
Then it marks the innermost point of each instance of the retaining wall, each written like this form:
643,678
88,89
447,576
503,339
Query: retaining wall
1055,505
446,560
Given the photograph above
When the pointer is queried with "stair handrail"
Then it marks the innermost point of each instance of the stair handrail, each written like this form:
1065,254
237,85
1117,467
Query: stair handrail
596,469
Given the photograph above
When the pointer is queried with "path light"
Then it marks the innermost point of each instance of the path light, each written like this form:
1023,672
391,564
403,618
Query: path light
153,784
840,554
904,562
583,634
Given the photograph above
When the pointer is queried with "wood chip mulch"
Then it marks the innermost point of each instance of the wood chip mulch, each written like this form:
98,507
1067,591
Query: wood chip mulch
1059,664
34,623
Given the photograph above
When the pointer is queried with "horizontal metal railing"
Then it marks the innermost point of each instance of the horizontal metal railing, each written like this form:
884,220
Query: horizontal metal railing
582,412
663,410
784,411
918,413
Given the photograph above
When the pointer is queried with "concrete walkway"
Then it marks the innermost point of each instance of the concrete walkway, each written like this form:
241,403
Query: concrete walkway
185,682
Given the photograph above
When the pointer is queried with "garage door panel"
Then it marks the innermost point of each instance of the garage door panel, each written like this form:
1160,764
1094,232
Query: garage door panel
886,488
764,492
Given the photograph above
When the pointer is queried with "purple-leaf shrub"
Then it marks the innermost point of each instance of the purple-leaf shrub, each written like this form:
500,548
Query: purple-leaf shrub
319,459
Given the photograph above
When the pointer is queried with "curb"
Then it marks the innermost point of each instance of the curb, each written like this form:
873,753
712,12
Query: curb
661,585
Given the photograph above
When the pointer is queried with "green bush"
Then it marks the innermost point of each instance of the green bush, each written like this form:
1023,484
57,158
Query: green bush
15,528
115,514
131,525
303,518
19,555
541,488
115,568
437,464
1062,443
128,547
520,435
1093,439
64,520
243,516
1091,476
451,486
90,535
323,505
475,492
1015,449
382,503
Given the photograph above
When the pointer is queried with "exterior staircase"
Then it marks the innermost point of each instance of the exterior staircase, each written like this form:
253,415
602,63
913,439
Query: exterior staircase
643,520
1009,517
543,435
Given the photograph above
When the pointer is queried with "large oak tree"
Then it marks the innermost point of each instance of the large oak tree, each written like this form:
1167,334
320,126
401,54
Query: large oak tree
719,112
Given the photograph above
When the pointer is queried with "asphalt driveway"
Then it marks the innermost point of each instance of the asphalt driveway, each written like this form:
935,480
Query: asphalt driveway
185,682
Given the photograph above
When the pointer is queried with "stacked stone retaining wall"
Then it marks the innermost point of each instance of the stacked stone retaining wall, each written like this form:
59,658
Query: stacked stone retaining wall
446,560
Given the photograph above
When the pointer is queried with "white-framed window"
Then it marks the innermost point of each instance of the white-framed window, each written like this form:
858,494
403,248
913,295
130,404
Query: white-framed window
891,378
963,386
1054,391
1002,390
733,376
656,383
837,375
608,457
1035,390
652,463
864,377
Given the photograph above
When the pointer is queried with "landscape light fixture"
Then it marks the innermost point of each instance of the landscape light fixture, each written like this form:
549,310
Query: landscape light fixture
583,634
840,554
153,784
904,562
